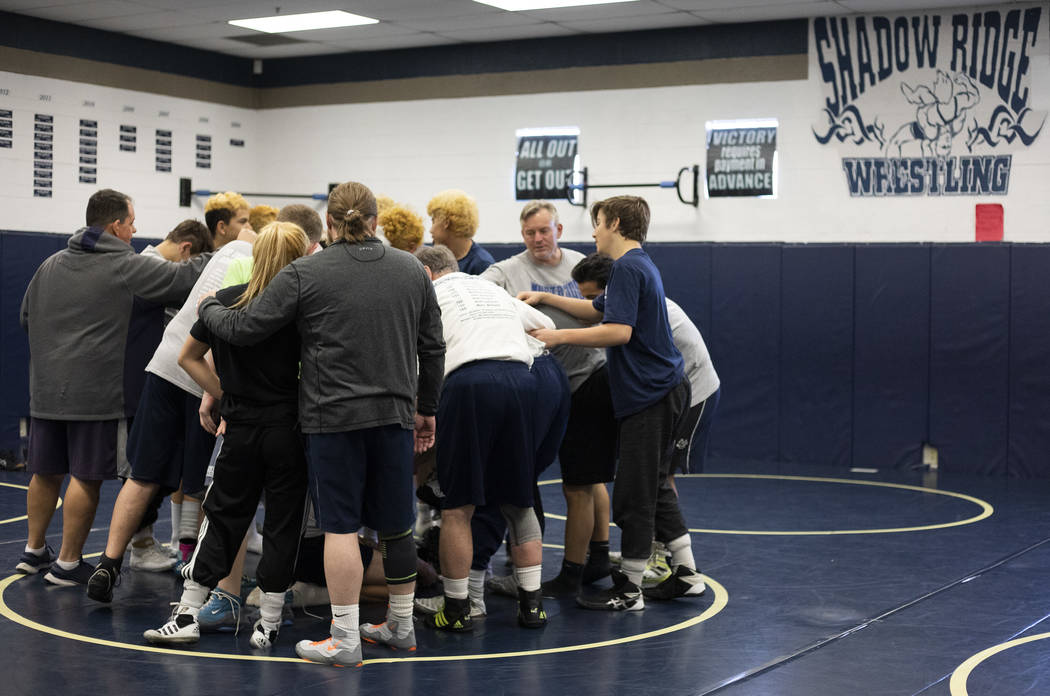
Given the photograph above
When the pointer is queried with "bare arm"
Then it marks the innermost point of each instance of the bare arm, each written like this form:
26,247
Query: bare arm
581,309
602,336
192,360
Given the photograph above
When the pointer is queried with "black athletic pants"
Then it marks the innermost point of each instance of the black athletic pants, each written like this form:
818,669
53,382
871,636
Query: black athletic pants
644,505
254,459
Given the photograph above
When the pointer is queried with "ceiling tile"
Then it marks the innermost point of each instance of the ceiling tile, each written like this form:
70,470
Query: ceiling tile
189,32
662,21
419,40
85,10
532,31
581,14
402,10
482,20
147,20
365,31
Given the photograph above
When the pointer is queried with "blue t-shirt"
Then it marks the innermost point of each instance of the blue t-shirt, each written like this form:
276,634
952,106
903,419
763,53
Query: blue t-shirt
646,368
476,260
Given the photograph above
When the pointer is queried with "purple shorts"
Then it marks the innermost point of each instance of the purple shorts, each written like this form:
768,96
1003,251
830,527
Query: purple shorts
88,450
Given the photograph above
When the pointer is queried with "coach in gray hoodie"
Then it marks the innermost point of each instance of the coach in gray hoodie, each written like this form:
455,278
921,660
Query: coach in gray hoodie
77,311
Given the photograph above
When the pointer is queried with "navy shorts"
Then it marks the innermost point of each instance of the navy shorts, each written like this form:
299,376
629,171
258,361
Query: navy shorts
362,477
588,451
553,398
486,434
693,435
88,450
167,444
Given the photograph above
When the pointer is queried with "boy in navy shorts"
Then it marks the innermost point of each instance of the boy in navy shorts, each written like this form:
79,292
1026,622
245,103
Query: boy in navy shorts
650,399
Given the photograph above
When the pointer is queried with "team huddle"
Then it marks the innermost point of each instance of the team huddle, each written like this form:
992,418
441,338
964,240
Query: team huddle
363,388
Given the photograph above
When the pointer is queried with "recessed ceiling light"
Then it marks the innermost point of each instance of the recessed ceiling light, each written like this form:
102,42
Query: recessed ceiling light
522,5
303,22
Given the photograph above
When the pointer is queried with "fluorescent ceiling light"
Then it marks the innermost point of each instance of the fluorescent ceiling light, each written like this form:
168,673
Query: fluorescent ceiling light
303,22
522,5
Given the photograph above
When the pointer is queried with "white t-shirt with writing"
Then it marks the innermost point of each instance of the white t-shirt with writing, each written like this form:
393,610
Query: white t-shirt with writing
482,322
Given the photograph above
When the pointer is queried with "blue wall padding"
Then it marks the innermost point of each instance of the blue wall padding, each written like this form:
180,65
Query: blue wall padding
891,355
969,356
829,354
1029,435
744,340
21,254
816,354
688,268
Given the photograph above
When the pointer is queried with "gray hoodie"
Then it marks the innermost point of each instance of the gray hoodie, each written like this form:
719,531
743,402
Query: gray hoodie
77,311
365,314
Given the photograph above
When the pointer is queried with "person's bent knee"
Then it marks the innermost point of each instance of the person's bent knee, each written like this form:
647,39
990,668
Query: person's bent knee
522,524
585,492
399,557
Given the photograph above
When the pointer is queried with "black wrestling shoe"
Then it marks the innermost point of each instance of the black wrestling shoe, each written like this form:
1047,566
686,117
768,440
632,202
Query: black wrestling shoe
624,595
530,609
454,617
683,582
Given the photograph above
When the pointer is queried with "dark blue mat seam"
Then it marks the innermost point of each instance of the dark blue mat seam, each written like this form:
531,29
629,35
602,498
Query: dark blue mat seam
785,659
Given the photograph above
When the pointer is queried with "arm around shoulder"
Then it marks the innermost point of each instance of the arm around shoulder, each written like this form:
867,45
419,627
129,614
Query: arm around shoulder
277,306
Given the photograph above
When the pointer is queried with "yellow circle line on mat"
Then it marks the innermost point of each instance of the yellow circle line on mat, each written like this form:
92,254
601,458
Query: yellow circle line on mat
957,684
23,517
986,508
720,601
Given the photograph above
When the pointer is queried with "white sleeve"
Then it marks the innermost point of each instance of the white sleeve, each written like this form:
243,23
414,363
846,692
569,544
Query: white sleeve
531,318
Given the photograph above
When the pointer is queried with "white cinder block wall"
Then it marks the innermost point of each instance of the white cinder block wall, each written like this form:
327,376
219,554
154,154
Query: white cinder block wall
411,150
155,193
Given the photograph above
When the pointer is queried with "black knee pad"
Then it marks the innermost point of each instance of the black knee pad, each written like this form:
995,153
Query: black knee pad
399,558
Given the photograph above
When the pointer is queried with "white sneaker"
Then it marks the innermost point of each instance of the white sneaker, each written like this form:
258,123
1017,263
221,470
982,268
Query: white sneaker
150,556
262,637
182,628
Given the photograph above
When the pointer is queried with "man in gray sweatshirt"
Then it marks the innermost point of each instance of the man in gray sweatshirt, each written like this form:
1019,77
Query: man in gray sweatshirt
77,312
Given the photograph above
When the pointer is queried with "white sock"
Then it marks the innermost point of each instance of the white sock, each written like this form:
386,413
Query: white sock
457,588
682,552
176,519
271,604
194,595
476,585
634,569
346,617
529,577
400,610
67,565
36,552
189,523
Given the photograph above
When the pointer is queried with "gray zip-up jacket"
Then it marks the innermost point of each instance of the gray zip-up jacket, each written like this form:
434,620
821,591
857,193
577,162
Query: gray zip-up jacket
77,311
365,314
